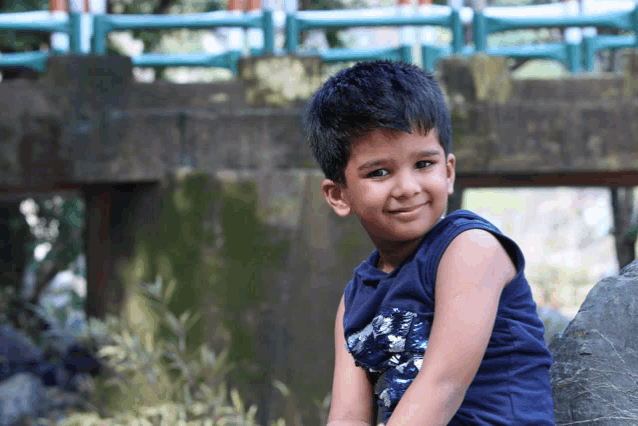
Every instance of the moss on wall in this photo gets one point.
(211, 243)
(492, 78)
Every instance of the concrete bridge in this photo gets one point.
(88, 127)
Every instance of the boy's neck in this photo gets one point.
(391, 254)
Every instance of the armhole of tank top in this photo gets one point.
(510, 247)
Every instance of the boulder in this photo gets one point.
(596, 359)
(553, 320)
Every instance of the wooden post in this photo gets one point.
(97, 248)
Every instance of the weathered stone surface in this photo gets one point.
(596, 360)
(479, 78)
(630, 73)
(565, 125)
(223, 97)
(602, 88)
(280, 81)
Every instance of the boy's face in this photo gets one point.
(396, 183)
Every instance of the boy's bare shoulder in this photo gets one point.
(478, 251)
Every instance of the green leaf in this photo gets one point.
(281, 387)
(170, 291)
(237, 402)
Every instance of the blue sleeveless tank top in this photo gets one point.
(387, 322)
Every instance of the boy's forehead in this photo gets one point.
(385, 136)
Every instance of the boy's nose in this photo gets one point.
(407, 185)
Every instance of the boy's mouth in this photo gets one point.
(407, 209)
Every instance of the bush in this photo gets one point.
(156, 383)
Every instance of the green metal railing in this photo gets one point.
(622, 21)
(37, 60)
(566, 52)
(307, 20)
(104, 24)
(575, 55)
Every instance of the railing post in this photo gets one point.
(457, 31)
(75, 32)
(269, 32)
(589, 51)
(405, 53)
(480, 32)
(573, 57)
(429, 55)
(232, 58)
(292, 33)
(99, 34)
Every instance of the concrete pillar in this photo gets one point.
(82, 88)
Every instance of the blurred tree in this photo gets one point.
(12, 41)
(58, 228)
(14, 256)
(332, 35)
(161, 7)
(20, 41)
(43, 235)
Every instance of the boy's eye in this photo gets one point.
(378, 173)
(423, 164)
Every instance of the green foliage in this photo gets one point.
(159, 382)
(332, 35)
(152, 38)
(12, 41)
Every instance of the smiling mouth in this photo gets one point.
(407, 209)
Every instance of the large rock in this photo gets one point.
(596, 360)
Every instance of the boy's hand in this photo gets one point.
(351, 403)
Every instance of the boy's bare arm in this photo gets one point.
(351, 403)
(471, 276)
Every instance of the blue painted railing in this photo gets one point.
(566, 52)
(42, 22)
(490, 21)
(308, 20)
(104, 24)
(620, 20)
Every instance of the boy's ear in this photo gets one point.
(334, 195)
(451, 173)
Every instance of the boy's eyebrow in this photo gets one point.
(372, 163)
(429, 153)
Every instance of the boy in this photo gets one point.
(438, 323)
